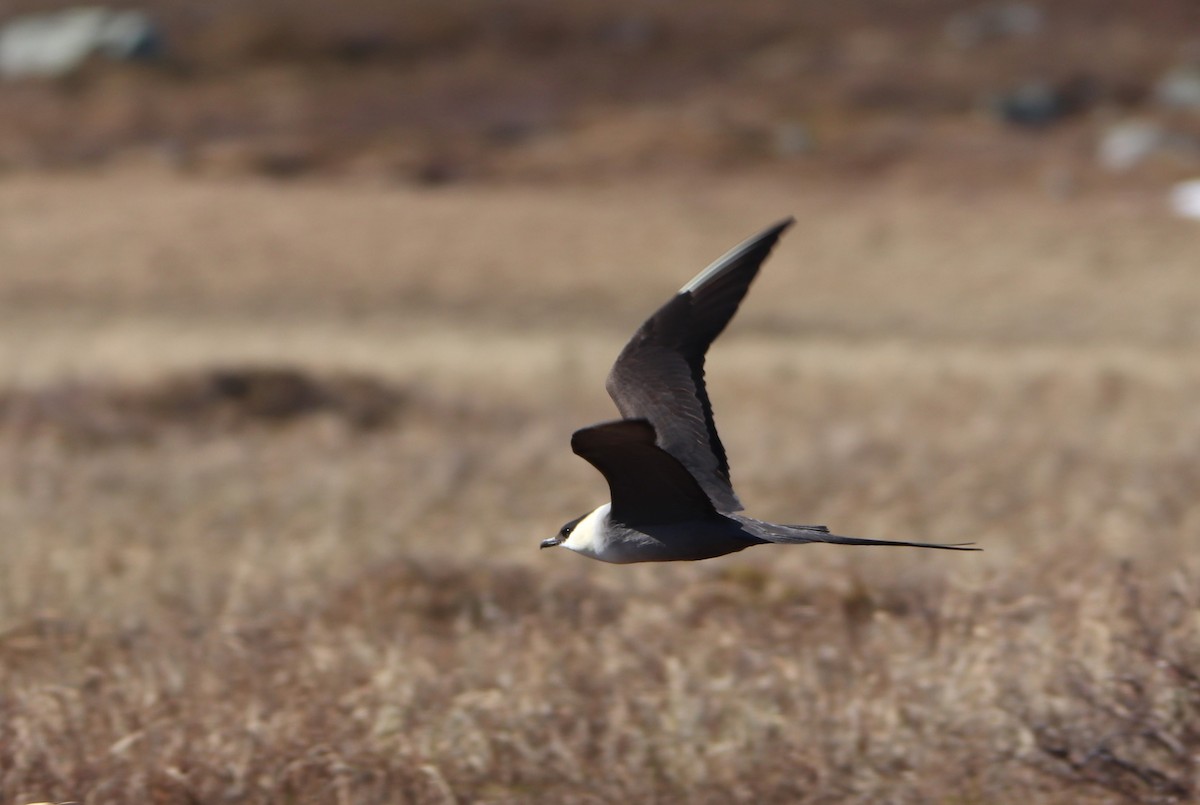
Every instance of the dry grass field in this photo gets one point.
(275, 461)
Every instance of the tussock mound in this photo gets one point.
(209, 400)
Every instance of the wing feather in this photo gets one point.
(647, 485)
(659, 375)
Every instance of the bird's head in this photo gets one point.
(564, 533)
(584, 534)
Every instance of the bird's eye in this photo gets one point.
(566, 530)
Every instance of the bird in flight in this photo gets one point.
(667, 474)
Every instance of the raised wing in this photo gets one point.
(647, 485)
(659, 376)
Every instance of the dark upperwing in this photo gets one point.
(647, 485)
(659, 375)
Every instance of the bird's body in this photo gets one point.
(672, 498)
(599, 536)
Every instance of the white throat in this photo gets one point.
(589, 537)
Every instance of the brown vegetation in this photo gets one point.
(233, 585)
(217, 399)
(437, 91)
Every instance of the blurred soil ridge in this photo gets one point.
(201, 402)
(435, 92)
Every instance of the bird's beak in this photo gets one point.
(550, 543)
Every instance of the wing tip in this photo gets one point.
(767, 236)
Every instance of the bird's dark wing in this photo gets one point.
(659, 376)
(648, 486)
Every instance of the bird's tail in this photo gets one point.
(785, 534)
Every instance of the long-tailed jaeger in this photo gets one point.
(667, 473)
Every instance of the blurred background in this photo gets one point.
(1070, 96)
(300, 303)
